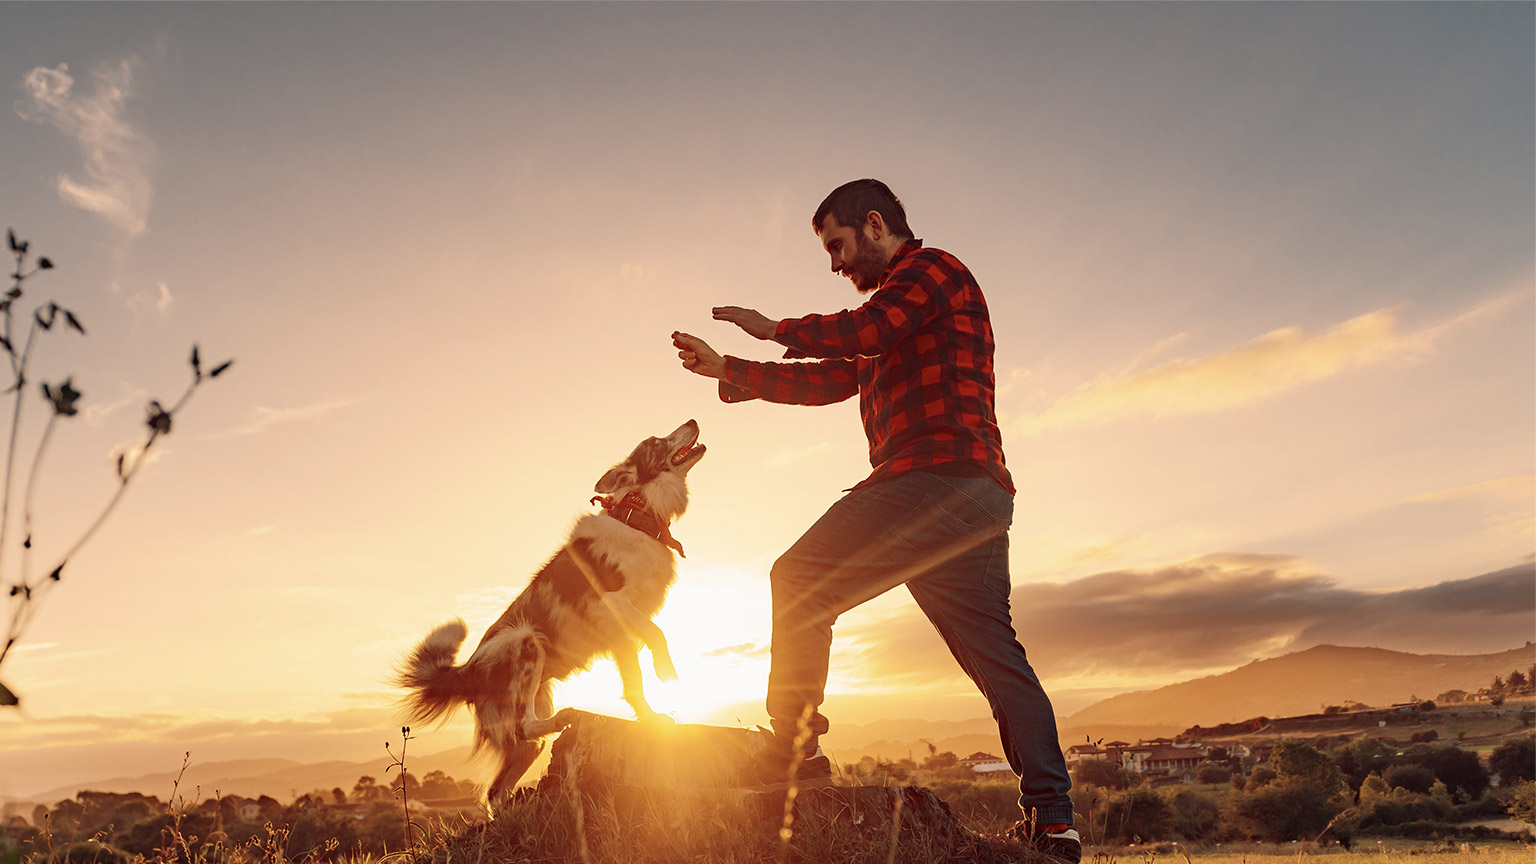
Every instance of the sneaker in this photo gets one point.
(770, 769)
(1058, 841)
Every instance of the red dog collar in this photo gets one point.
(633, 512)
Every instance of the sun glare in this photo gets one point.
(718, 642)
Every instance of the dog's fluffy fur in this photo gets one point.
(596, 596)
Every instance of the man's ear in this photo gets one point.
(874, 223)
(617, 477)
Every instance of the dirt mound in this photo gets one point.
(619, 791)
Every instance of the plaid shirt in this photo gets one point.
(918, 353)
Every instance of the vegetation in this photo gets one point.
(1304, 791)
(27, 592)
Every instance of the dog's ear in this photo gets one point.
(617, 477)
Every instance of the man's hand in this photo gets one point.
(750, 320)
(697, 356)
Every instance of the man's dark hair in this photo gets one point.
(851, 203)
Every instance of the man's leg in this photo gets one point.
(967, 601)
(836, 565)
(873, 539)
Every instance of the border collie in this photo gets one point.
(596, 596)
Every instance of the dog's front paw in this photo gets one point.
(653, 717)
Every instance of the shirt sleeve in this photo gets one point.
(814, 383)
(917, 290)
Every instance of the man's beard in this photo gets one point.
(868, 262)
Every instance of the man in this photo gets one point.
(934, 513)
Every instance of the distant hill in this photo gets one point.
(252, 778)
(1301, 683)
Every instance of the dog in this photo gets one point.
(596, 596)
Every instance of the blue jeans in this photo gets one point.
(946, 539)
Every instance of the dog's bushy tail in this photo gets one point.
(436, 687)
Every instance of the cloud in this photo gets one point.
(114, 183)
(265, 418)
(1214, 613)
(787, 456)
(140, 300)
(1275, 363)
(1521, 483)
(745, 649)
(95, 412)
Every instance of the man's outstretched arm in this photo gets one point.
(820, 383)
(754, 322)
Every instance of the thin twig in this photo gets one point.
(26, 508)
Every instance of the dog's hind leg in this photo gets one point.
(516, 756)
(562, 719)
(543, 701)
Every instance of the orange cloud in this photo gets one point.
(1214, 612)
(1277, 362)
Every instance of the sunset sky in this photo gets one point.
(1262, 276)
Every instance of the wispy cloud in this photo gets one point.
(114, 182)
(1218, 612)
(745, 649)
(265, 418)
(1522, 484)
(1277, 362)
(788, 456)
(96, 412)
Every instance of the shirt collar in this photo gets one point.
(908, 248)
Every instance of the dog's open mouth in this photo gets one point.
(689, 451)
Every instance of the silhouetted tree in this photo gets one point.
(1298, 762)
(1212, 772)
(1414, 778)
(1101, 772)
(1362, 757)
(1138, 813)
(1285, 810)
(1514, 761)
(935, 761)
(368, 789)
(1459, 769)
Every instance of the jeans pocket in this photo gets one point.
(942, 518)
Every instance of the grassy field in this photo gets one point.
(1489, 853)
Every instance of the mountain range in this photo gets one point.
(1304, 683)
(1299, 683)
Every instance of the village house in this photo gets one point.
(1164, 759)
(986, 763)
(1153, 759)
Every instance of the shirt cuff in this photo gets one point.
(733, 382)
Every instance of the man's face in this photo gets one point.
(854, 253)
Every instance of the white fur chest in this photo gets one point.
(647, 566)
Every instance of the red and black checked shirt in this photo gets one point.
(918, 353)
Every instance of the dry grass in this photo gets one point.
(715, 827)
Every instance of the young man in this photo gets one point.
(934, 513)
